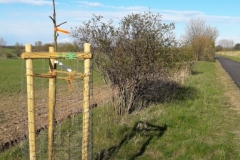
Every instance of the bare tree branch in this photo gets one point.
(52, 19)
(55, 35)
(54, 12)
(61, 24)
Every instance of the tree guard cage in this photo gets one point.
(55, 75)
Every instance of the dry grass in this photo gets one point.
(232, 93)
(231, 90)
(230, 53)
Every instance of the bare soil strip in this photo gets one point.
(13, 117)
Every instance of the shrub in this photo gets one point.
(6, 55)
(133, 57)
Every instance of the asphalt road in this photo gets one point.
(232, 67)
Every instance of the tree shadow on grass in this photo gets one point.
(196, 72)
(149, 131)
(169, 91)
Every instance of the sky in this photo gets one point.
(27, 21)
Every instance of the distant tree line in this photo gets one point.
(62, 47)
(227, 45)
(14, 51)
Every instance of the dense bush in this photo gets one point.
(203, 48)
(6, 55)
(134, 57)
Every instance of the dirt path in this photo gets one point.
(13, 112)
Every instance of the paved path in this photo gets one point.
(232, 67)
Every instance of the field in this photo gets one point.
(199, 122)
(232, 54)
(9, 50)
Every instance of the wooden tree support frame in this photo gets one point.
(28, 55)
(56, 55)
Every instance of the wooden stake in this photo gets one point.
(31, 108)
(51, 105)
(86, 108)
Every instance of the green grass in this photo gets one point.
(196, 124)
(9, 50)
(13, 78)
(12, 74)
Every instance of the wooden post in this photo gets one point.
(31, 108)
(51, 105)
(86, 106)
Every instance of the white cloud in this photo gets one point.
(180, 16)
(97, 4)
(65, 40)
(237, 39)
(224, 19)
(131, 8)
(33, 2)
(91, 4)
(184, 16)
(167, 15)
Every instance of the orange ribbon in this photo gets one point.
(61, 30)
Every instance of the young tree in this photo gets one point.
(38, 46)
(54, 20)
(218, 48)
(45, 47)
(132, 57)
(3, 43)
(18, 49)
(200, 36)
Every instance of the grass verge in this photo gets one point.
(196, 124)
